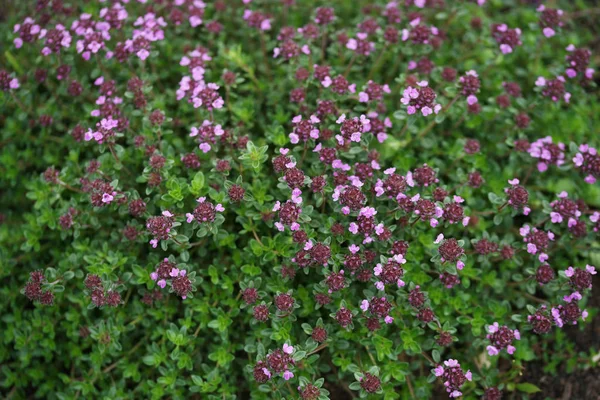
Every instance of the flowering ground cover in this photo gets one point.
(299, 199)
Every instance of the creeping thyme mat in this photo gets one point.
(281, 199)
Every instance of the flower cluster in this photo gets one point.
(453, 376)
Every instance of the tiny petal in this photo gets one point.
(492, 351)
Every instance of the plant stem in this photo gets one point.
(350, 65)
(263, 46)
(377, 62)
(410, 387)
(428, 358)
(432, 123)
(321, 347)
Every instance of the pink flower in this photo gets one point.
(107, 198)
(205, 147)
(493, 328)
(287, 349)
(591, 269)
(451, 363)
(573, 296)
(492, 351)
(589, 73)
(557, 319)
(364, 305)
(548, 32)
(555, 217)
(541, 81)
(472, 99)
(367, 212)
(377, 270)
(143, 54)
(287, 375)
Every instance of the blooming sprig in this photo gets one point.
(28, 31)
(554, 88)
(207, 134)
(587, 160)
(453, 376)
(501, 337)
(550, 20)
(7, 82)
(351, 129)
(507, 38)
(420, 99)
(304, 129)
(390, 273)
(205, 212)
(547, 152)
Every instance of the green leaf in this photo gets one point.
(251, 270)
(197, 184)
(383, 346)
(436, 355)
(528, 388)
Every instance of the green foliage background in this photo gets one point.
(203, 347)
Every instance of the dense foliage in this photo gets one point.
(293, 199)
